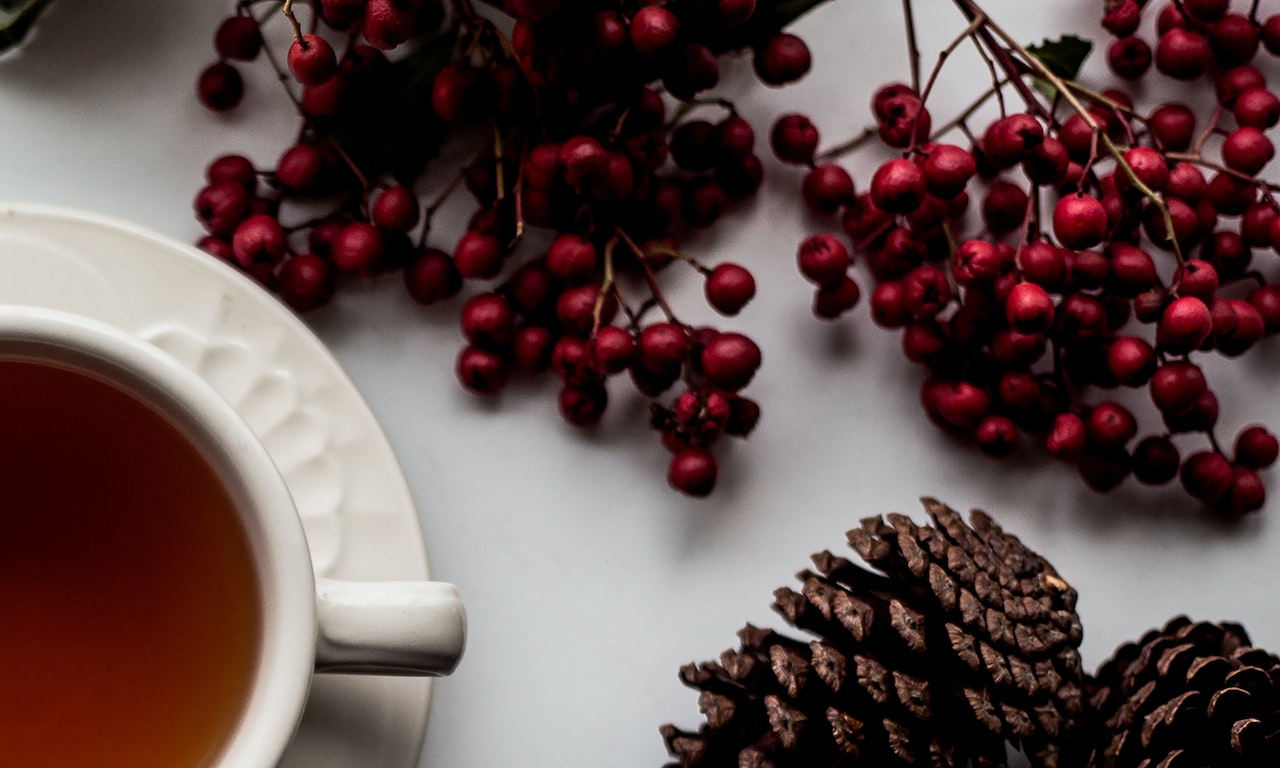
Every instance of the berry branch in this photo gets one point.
(1046, 332)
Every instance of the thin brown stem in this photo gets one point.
(287, 10)
(867, 134)
(1196, 159)
(649, 278)
(607, 285)
(959, 119)
(913, 47)
(945, 52)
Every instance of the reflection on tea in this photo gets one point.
(129, 611)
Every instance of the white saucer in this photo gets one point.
(355, 505)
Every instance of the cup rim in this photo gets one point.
(285, 574)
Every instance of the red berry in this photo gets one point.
(730, 360)
(572, 258)
(300, 168)
(431, 276)
(1206, 475)
(614, 348)
(1066, 439)
(827, 188)
(220, 87)
(898, 186)
(387, 23)
(583, 406)
(1246, 494)
(947, 170)
(481, 371)
(823, 259)
(653, 31)
(581, 159)
(1029, 308)
(1155, 460)
(692, 471)
(1176, 385)
(238, 37)
(306, 282)
(1184, 325)
(1234, 39)
(1010, 140)
(312, 60)
(662, 347)
(1173, 126)
(1257, 108)
(832, 301)
(1183, 54)
(781, 58)
(1256, 448)
(729, 287)
(259, 239)
(794, 139)
(1247, 150)
(1129, 57)
(478, 256)
(1132, 360)
(396, 208)
(1079, 221)
(488, 321)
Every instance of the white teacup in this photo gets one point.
(307, 624)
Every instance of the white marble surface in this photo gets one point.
(587, 581)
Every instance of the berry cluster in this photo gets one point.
(568, 114)
(1114, 247)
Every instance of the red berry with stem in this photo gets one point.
(729, 287)
(692, 471)
(1234, 39)
(1196, 278)
(1256, 447)
(1010, 140)
(576, 308)
(572, 258)
(312, 60)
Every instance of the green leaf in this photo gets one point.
(1063, 56)
(17, 17)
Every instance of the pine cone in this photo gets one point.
(963, 641)
(1191, 695)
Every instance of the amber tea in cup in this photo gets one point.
(130, 615)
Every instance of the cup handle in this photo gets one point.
(414, 628)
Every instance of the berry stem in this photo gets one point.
(974, 25)
(607, 285)
(959, 120)
(286, 8)
(913, 46)
(649, 278)
(1196, 158)
(849, 145)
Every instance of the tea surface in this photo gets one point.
(129, 613)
